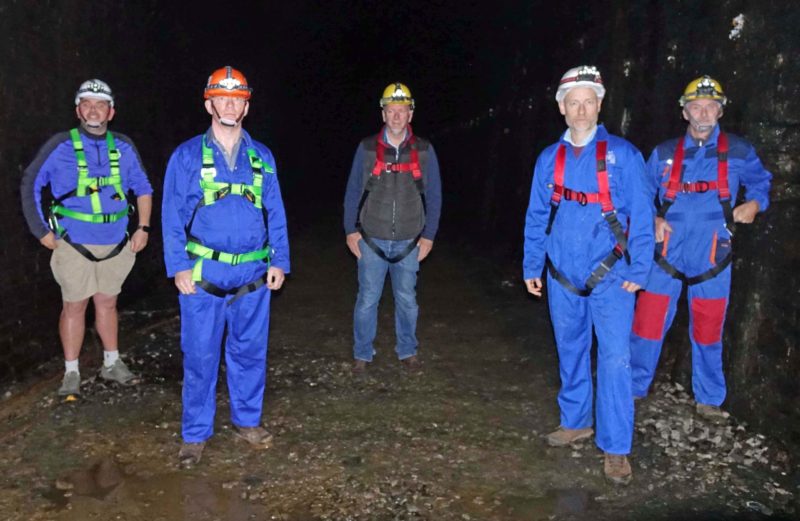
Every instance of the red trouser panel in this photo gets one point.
(651, 312)
(707, 317)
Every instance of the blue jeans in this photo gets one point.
(371, 276)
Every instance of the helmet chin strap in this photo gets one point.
(91, 124)
(227, 121)
(700, 129)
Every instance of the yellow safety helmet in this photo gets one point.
(704, 87)
(397, 93)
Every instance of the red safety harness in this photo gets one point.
(675, 185)
(609, 213)
(381, 166)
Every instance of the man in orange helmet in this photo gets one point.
(226, 244)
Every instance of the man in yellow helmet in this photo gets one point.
(391, 214)
(697, 178)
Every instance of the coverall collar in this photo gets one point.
(230, 160)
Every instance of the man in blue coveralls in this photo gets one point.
(697, 177)
(391, 214)
(589, 222)
(226, 244)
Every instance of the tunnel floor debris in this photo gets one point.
(460, 440)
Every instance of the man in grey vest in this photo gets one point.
(391, 214)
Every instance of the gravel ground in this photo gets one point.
(460, 440)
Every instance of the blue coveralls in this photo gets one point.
(234, 225)
(699, 240)
(579, 240)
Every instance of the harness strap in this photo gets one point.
(237, 293)
(197, 250)
(89, 255)
(380, 167)
(609, 213)
(691, 281)
(675, 184)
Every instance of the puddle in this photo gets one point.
(558, 504)
(103, 491)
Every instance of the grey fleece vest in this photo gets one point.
(393, 208)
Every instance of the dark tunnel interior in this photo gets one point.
(483, 75)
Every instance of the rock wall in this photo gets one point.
(647, 53)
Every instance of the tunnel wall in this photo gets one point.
(46, 50)
(647, 53)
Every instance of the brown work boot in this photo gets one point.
(412, 364)
(712, 413)
(359, 367)
(563, 437)
(190, 454)
(617, 469)
(257, 437)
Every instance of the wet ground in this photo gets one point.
(461, 440)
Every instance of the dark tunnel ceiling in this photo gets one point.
(342, 54)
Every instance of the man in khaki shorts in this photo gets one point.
(90, 171)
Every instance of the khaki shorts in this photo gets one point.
(81, 278)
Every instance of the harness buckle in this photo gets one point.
(235, 259)
(388, 167)
(701, 187)
(618, 253)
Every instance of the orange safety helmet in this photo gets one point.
(227, 81)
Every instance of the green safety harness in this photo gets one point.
(90, 187)
(213, 191)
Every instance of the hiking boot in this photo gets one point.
(711, 412)
(71, 384)
(412, 364)
(190, 454)
(617, 469)
(563, 437)
(359, 367)
(258, 437)
(119, 373)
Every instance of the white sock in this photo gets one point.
(109, 357)
(71, 365)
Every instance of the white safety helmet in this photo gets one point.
(94, 88)
(583, 76)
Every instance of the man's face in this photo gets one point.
(580, 108)
(397, 117)
(229, 109)
(702, 115)
(95, 114)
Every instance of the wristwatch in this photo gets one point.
(145, 228)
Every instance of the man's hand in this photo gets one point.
(275, 278)
(139, 240)
(662, 228)
(184, 282)
(745, 213)
(534, 286)
(425, 247)
(631, 287)
(352, 244)
(49, 241)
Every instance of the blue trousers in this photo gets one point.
(609, 310)
(204, 318)
(372, 271)
(655, 311)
